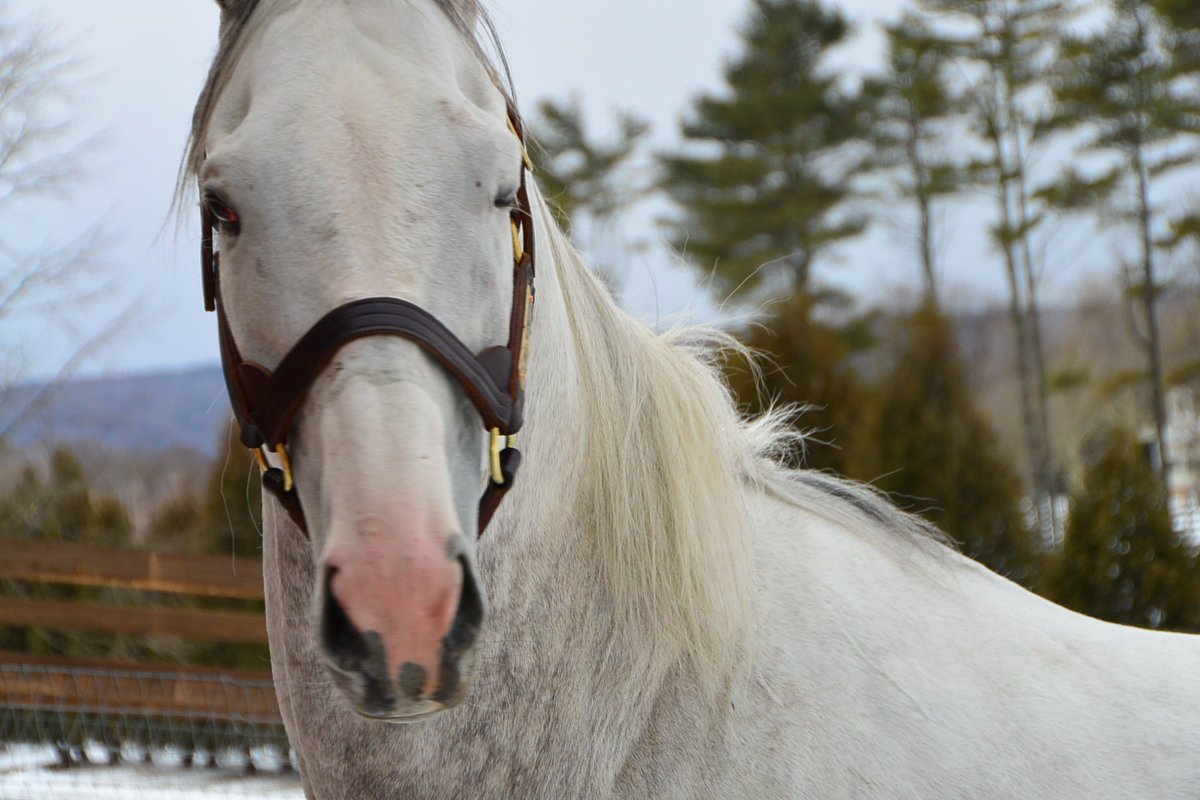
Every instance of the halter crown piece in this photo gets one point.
(265, 402)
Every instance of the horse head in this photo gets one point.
(359, 150)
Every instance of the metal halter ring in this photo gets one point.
(497, 443)
(285, 463)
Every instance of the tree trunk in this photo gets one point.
(1040, 395)
(925, 204)
(1149, 296)
(921, 190)
(1019, 318)
(801, 268)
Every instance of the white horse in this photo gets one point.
(669, 613)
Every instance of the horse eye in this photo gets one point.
(507, 199)
(221, 211)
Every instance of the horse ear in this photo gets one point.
(232, 11)
(230, 8)
(466, 10)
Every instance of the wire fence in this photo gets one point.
(77, 732)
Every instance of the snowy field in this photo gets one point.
(32, 773)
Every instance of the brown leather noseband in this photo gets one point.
(266, 402)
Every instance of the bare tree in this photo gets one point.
(1009, 47)
(41, 161)
(1134, 87)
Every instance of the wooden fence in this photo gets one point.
(61, 699)
(85, 565)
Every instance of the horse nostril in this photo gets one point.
(468, 619)
(354, 652)
(341, 638)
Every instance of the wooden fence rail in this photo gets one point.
(62, 699)
(86, 565)
(132, 689)
(213, 626)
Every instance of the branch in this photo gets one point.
(28, 408)
(31, 276)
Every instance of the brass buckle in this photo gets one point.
(524, 151)
(285, 464)
(494, 447)
(518, 250)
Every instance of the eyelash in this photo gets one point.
(222, 212)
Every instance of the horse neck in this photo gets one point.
(624, 535)
(533, 533)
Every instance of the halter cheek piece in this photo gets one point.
(265, 402)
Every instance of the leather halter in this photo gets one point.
(265, 402)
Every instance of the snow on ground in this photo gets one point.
(29, 773)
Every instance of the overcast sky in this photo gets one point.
(144, 61)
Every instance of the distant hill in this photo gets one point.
(144, 413)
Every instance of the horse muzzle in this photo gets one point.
(399, 615)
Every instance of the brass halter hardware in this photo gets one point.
(517, 251)
(285, 464)
(496, 443)
(512, 128)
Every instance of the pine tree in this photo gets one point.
(1132, 89)
(805, 363)
(577, 173)
(928, 443)
(1121, 560)
(913, 110)
(225, 519)
(1009, 46)
(763, 191)
(1182, 15)
(60, 506)
(587, 182)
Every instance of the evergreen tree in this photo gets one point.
(1182, 15)
(806, 364)
(588, 183)
(225, 519)
(1121, 560)
(1185, 235)
(60, 507)
(577, 173)
(763, 191)
(927, 442)
(1132, 89)
(913, 111)
(1009, 46)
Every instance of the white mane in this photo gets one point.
(664, 478)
